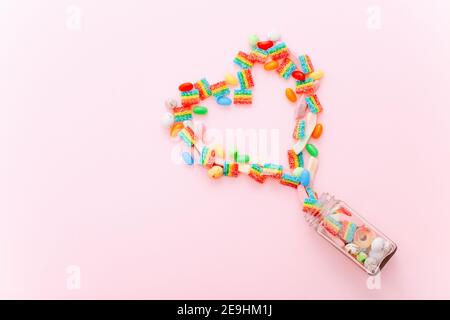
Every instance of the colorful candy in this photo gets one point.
(273, 170)
(181, 114)
(305, 64)
(245, 79)
(295, 160)
(242, 96)
(305, 87)
(188, 98)
(242, 158)
(348, 231)
(299, 131)
(230, 79)
(316, 75)
(230, 169)
(317, 132)
(271, 65)
(201, 110)
(215, 172)
(264, 45)
(258, 55)
(224, 101)
(187, 158)
(187, 86)
(256, 172)
(286, 68)
(220, 89)
(363, 237)
(278, 51)
(305, 178)
(289, 180)
(243, 60)
(290, 94)
(332, 225)
(313, 103)
(312, 150)
(187, 135)
(203, 88)
(311, 206)
(253, 40)
(176, 127)
(207, 156)
(298, 75)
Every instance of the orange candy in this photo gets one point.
(317, 132)
(271, 65)
(176, 128)
(290, 94)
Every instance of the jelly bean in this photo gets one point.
(316, 75)
(188, 159)
(290, 94)
(253, 40)
(271, 65)
(175, 129)
(219, 152)
(312, 150)
(234, 154)
(297, 172)
(243, 158)
(361, 257)
(170, 104)
(187, 86)
(231, 79)
(223, 101)
(304, 178)
(298, 75)
(317, 132)
(167, 119)
(215, 172)
(264, 45)
(200, 110)
(273, 36)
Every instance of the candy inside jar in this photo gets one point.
(360, 241)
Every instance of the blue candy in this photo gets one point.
(187, 157)
(224, 101)
(304, 178)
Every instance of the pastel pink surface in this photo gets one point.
(86, 176)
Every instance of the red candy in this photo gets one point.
(298, 75)
(264, 45)
(187, 86)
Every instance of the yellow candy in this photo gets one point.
(215, 172)
(271, 65)
(231, 79)
(316, 75)
(220, 153)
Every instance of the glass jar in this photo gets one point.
(350, 233)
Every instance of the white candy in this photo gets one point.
(171, 103)
(388, 247)
(377, 244)
(297, 171)
(377, 255)
(371, 264)
(352, 248)
(167, 119)
(274, 36)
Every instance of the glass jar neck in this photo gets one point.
(326, 203)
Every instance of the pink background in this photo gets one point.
(86, 176)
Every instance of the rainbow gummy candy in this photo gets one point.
(203, 88)
(181, 114)
(220, 89)
(243, 60)
(286, 68)
(313, 103)
(188, 98)
(187, 135)
(207, 156)
(305, 87)
(256, 172)
(332, 225)
(230, 169)
(348, 231)
(278, 51)
(311, 193)
(290, 180)
(305, 64)
(311, 205)
(295, 160)
(245, 79)
(242, 96)
(299, 131)
(258, 55)
(273, 170)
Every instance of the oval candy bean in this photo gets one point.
(271, 65)
(215, 172)
(316, 75)
(200, 110)
(187, 86)
(243, 158)
(231, 79)
(291, 95)
(312, 150)
(304, 178)
(176, 128)
(264, 45)
(187, 158)
(223, 101)
(253, 40)
(298, 75)
(317, 132)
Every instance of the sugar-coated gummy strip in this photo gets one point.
(256, 172)
(286, 68)
(290, 180)
(278, 51)
(258, 55)
(181, 114)
(273, 170)
(242, 96)
(311, 120)
(348, 231)
(230, 169)
(189, 98)
(187, 135)
(220, 89)
(245, 78)
(311, 193)
(332, 225)
(203, 88)
(313, 103)
(305, 87)
(295, 160)
(305, 64)
(243, 60)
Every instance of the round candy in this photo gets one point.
(231, 79)
(271, 65)
(243, 158)
(297, 74)
(312, 150)
(264, 45)
(304, 178)
(176, 128)
(363, 237)
(273, 36)
(377, 244)
(187, 86)
(188, 159)
(167, 119)
(297, 172)
(215, 172)
(317, 132)
(200, 110)
(171, 103)
(223, 101)
(290, 94)
(253, 40)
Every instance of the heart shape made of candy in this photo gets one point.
(274, 56)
